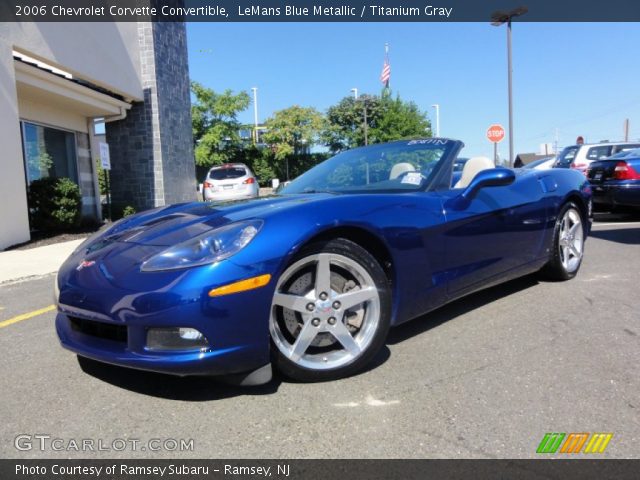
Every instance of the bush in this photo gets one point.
(54, 204)
(128, 210)
(118, 210)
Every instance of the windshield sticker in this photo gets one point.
(428, 141)
(412, 178)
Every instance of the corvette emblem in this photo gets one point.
(85, 264)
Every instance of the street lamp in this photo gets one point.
(355, 93)
(255, 114)
(437, 107)
(497, 19)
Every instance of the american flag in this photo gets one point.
(385, 76)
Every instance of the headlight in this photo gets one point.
(207, 248)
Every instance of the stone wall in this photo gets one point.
(152, 148)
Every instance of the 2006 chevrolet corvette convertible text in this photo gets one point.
(311, 279)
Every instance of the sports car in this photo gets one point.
(310, 280)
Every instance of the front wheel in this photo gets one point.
(330, 312)
(568, 244)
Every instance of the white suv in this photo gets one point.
(230, 181)
(579, 157)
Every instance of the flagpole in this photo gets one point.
(386, 56)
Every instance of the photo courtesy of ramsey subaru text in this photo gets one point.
(310, 280)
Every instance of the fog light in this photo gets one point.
(178, 338)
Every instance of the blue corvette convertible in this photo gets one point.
(309, 281)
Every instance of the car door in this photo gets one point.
(500, 230)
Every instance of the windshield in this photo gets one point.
(627, 153)
(567, 155)
(392, 167)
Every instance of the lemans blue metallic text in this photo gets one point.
(310, 280)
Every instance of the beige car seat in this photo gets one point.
(400, 168)
(471, 169)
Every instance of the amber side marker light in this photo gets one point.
(241, 286)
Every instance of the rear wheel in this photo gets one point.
(330, 312)
(568, 244)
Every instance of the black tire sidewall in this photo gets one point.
(355, 252)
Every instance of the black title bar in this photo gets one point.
(122, 469)
(317, 10)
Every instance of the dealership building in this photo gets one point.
(59, 81)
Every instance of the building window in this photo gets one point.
(48, 152)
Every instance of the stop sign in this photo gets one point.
(495, 133)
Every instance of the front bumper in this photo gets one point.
(119, 316)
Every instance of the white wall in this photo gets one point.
(14, 220)
(106, 54)
(40, 112)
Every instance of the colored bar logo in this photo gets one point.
(573, 442)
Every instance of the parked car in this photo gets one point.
(230, 181)
(616, 181)
(541, 163)
(310, 280)
(579, 157)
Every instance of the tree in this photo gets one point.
(387, 119)
(398, 120)
(215, 124)
(290, 134)
(345, 122)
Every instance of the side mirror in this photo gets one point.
(199, 188)
(495, 177)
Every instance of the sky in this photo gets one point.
(569, 79)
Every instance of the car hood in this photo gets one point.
(171, 225)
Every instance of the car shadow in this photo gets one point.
(459, 307)
(171, 387)
(629, 236)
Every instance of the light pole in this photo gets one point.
(497, 19)
(255, 114)
(437, 107)
(365, 124)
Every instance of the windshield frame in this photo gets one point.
(438, 179)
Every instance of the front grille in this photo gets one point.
(117, 333)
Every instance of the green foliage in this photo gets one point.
(215, 124)
(290, 134)
(261, 162)
(293, 131)
(345, 122)
(45, 161)
(128, 210)
(398, 120)
(102, 177)
(387, 119)
(54, 203)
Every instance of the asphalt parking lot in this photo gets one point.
(485, 377)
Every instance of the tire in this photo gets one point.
(330, 313)
(568, 244)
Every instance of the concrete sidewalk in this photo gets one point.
(19, 264)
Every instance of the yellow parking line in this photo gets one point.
(26, 316)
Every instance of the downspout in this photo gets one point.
(120, 116)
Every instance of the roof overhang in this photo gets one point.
(41, 85)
